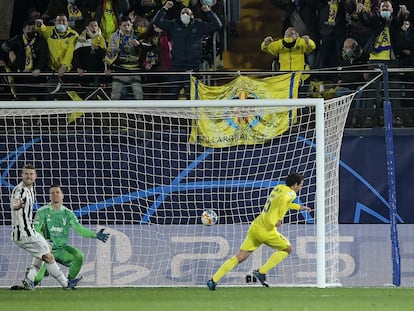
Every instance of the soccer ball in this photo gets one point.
(209, 217)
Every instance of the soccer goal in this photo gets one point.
(145, 172)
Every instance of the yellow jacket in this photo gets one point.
(61, 46)
(293, 58)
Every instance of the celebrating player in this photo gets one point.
(263, 230)
(53, 221)
(24, 235)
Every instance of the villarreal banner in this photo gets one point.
(221, 129)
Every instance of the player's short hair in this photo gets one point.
(29, 167)
(55, 186)
(294, 178)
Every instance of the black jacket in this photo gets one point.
(40, 53)
(377, 25)
(187, 40)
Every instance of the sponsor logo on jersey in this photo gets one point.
(56, 229)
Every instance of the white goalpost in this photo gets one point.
(132, 168)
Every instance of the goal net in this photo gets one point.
(139, 170)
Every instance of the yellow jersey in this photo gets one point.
(277, 205)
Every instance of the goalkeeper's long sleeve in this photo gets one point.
(83, 232)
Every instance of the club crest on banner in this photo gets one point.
(230, 126)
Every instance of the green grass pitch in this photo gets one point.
(224, 298)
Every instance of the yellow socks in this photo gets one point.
(227, 266)
(232, 262)
(273, 261)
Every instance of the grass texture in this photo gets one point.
(224, 298)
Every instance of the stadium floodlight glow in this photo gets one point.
(131, 167)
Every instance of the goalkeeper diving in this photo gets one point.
(54, 221)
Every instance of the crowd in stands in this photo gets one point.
(120, 37)
(350, 35)
(115, 37)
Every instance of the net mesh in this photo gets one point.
(135, 173)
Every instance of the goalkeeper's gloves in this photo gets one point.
(102, 236)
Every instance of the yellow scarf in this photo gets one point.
(333, 10)
(109, 22)
(28, 46)
(382, 49)
(74, 13)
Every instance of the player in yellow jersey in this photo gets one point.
(263, 230)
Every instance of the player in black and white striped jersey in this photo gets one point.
(24, 235)
(23, 199)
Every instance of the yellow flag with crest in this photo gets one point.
(248, 125)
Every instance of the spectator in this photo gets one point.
(382, 44)
(148, 36)
(145, 8)
(20, 9)
(356, 29)
(76, 11)
(27, 52)
(404, 45)
(141, 26)
(409, 4)
(384, 29)
(348, 81)
(187, 35)
(404, 52)
(352, 58)
(213, 58)
(34, 14)
(290, 51)
(332, 32)
(61, 40)
(301, 15)
(124, 55)
(156, 58)
(109, 14)
(90, 50)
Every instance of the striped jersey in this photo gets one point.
(22, 219)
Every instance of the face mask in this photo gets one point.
(288, 42)
(348, 52)
(208, 2)
(185, 19)
(385, 14)
(61, 28)
(31, 35)
(141, 29)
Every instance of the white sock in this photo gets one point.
(34, 268)
(55, 271)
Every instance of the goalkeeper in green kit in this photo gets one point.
(54, 221)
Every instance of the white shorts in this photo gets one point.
(35, 245)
